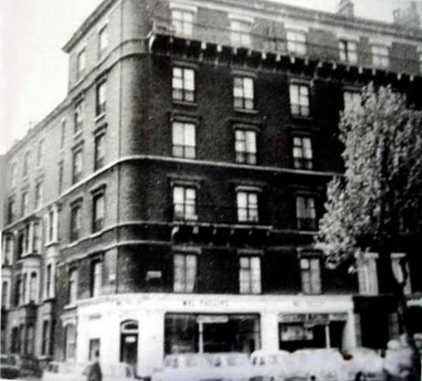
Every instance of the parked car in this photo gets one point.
(8, 367)
(269, 365)
(26, 366)
(66, 371)
(184, 367)
(323, 364)
(365, 361)
(231, 366)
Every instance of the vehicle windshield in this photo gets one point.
(8, 360)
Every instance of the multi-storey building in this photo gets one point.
(169, 203)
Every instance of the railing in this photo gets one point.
(278, 45)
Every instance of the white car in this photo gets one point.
(231, 366)
(366, 361)
(323, 364)
(270, 365)
(67, 371)
(184, 367)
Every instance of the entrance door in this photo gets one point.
(129, 343)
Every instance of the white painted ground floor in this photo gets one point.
(142, 328)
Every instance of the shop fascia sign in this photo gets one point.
(212, 319)
(311, 319)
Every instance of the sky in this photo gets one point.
(34, 69)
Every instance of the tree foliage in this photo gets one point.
(380, 195)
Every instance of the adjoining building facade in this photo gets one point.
(169, 203)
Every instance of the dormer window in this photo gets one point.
(182, 21)
(380, 56)
(348, 51)
(241, 32)
(296, 42)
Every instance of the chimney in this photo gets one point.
(346, 8)
(407, 17)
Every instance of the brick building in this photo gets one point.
(169, 203)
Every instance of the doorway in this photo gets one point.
(129, 342)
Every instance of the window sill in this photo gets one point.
(77, 134)
(68, 307)
(246, 111)
(184, 103)
(100, 118)
(51, 243)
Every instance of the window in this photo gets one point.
(420, 62)
(13, 175)
(30, 337)
(75, 222)
(96, 277)
(61, 174)
(19, 291)
(184, 140)
(25, 295)
(183, 84)
(49, 281)
(78, 116)
(94, 349)
(26, 164)
(299, 100)
(296, 42)
(81, 64)
(8, 251)
(241, 33)
(245, 146)
(38, 195)
(70, 342)
(21, 243)
(25, 203)
(98, 212)
(27, 235)
(36, 237)
(50, 227)
(243, 92)
(348, 51)
(182, 22)
(101, 101)
(250, 275)
(368, 274)
(184, 203)
(399, 261)
(184, 272)
(102, 42)
(63, 133)
(99, 151)
(351, 99)
(45, 343)
(247, 206)
(77, 166)
(11, 212)
(380, 56)
(5, 294)
(72, 295)
(311, 275)
(33, 289)
(306, 213)
(40, 153)
(302, 152)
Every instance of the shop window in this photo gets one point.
(241, 31)
(311, 275)
(185, 267)
(182, 22)
(70, 342)
(296, 42)
(299, 100)
(96, 278)
(306, 213)
(184, 203)
(247, 206)
(380, 56)
(351, 99)
(348, 51)
(302, 152)
(243, 92)
(184, 140)
(245, 146)
(250, 275)
(183, 84)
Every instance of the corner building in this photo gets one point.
(169, 203)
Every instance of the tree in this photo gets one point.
(379, 198)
